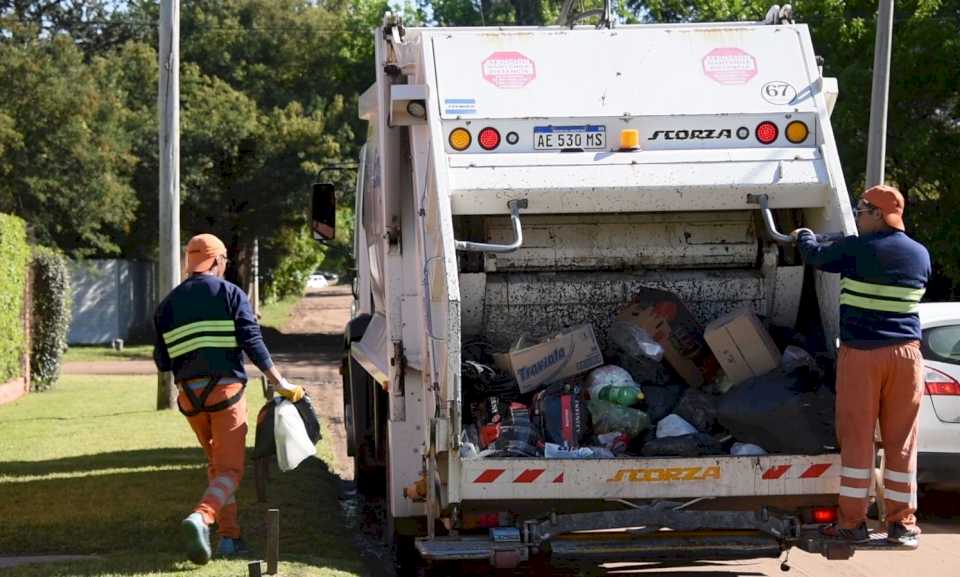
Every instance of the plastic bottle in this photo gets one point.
(608, 418)
(621, 395)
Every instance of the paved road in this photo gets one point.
(309, 349)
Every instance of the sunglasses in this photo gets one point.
(862, 209)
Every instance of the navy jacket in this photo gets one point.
(203, 328)
(883, 278)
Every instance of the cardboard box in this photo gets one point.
(665, 318)
(569, 353)
(742, 346)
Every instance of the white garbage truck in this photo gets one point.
(518, 181)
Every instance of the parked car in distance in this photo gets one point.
(938, 459)
(320, 279)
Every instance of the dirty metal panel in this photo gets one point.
(652, 478)
(472, 288)
(619, 241)
(537, 304)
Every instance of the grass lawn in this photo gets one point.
(91, 468)
(87, 353)
(276, 314)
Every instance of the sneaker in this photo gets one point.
(858, 534)
(196, 538)
(230, 547)
(900, 534)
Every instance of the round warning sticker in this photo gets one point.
(729, 65)
(508, 70)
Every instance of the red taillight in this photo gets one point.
(940, 384)
(489, 138)
(824, 515)
(767, 132)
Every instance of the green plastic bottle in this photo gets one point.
(621, 395)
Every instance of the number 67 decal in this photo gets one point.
(778, 92)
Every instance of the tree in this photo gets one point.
(66, 156)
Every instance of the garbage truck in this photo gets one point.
(520, 181)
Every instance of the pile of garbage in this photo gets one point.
(663, 386)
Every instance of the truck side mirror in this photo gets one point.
(323, 210)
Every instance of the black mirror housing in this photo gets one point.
(323, 211)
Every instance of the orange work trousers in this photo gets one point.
(223, 437)
(884, 384)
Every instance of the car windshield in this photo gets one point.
(942, 344)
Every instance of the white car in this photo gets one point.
(317, 280)
(938, 460)
(322, 279)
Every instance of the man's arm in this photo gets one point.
(161, 357)
(249, 336)
(827, 256)
(251, 340)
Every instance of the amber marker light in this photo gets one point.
(629, 139)
(460, 139)
(797, 132)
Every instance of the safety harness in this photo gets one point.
(200, 403)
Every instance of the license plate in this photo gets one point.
(566, 137)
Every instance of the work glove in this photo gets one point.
(796, 234)
(292, 393)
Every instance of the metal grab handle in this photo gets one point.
(515, 206)
(771, 227)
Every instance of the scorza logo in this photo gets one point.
(700, 134)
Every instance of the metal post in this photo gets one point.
(255, 273)
(169, 106)
(877, 145)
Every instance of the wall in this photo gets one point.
(112, 299)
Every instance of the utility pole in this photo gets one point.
(877, 145)
(169, 106)
(255, 273)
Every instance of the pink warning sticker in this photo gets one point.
(508, 70)
(729, 65)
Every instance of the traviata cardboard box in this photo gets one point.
(569, 353)
(742, 346)
(665, 318)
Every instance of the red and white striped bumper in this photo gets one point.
(650, 478)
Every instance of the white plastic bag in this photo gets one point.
(674, 426)
(293, 442)
(608, 376)
(746, 449)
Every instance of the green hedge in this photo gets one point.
(14, 259)
(52, 300)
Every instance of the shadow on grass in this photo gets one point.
(188, 458)
(132, 518)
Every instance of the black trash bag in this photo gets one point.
(265, 444)
(481, 377)
(561, 414)
(660, 400)
(781, 412)
(692, 445)
(699, 409)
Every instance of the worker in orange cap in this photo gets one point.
(203, 327)
(880, 369)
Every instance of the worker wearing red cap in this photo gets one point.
(879, 369)
(203, 328)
